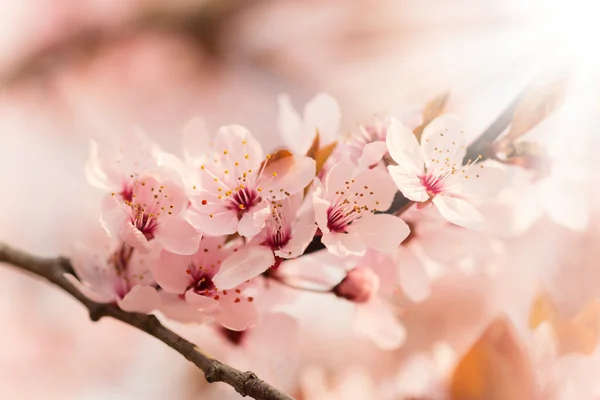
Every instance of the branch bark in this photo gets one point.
(53, 270)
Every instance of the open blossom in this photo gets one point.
(237, 184)
(371, 285)
(111, 271)
(192, 278)
(286, 235)
(345, 206)
(151, 216)
(321, 115)
(367, 145)
(115, 169)
(434, 170)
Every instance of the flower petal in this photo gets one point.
(254, 219)
(196, 141)
(409, 185)
(170, 272)
(289, 175)
(458, 211)
(344, 244)
(404, 148)
(178, 236)
(443, 140)
(290, 126)
(412, 277)
(321, 206)
(372, 153)
(223, 223)
(176, 308)
(88, 291)
(382, 232)
(142, 299)
(322, 113)
(237, 316)
(482, 181)
(201, 303)
(245, 264)
(303, 232)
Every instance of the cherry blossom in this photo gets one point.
(433, 170)
(192, 278)
(371, 285)
(235, 188)
(345, 206)
(115, 169)
(321, 115)
(286, 235)
(109, 271)
(152, 215)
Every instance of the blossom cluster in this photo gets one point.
(202, 237)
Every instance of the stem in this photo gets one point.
(54, 270)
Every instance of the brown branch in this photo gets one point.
(53, 270)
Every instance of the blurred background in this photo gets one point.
(72, 71)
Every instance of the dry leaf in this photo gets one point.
(578, 334)
(314, 147)
(432, 110)
(495, 368)
(323, 154)
(276, 157)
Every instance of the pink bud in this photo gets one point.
(359, 285)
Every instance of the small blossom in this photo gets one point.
(235, 188)
(433, 170)
(192, 278)
(111, 271)
(359, 285)
(345, 204)
(151, 216)
(321, 115)
(286, 235)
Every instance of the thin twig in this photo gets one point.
(54, 269)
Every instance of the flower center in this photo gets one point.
(433, 184)
(278, 228)
(243, 199)
(347, 207)
(204, 286)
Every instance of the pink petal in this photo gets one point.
(254, 219)
(170, 272)
(112, 216)
(338, 175)
(483, 181)
(290, 126)
(412, 277)
(142, 299)
(237, 316)
(322, 113)
(409, 185)
(224, 223)
(133, 237)
(178, 236)
(372, 153)
(196, 141)
(378, 182)
(404, 148)
(458, 211)
(294, 174)
(245, 264)
(378, 321)
(302, 234)
(321, 206)
(176, 308)
(382, 232)
(444, 139)
(89, 292)
(98, 173)
(201, 303)
(344, 244)
(232, 144)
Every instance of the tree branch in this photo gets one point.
(53, 270)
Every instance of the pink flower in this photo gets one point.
(371, 286)
(321, 115)
(433, 170)
(286, 235)
(150, 216)
(114, 169)
(235, 188)
(345, 205)
(192, 277)
(367, 146)
(111, 271)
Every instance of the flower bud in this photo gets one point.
(359, 285)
